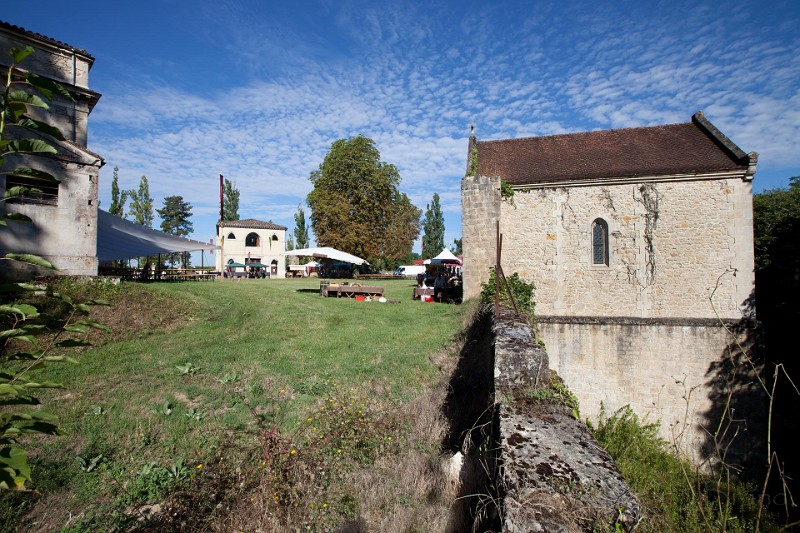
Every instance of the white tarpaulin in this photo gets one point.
(327, 253)
(118, 238)
(446, 256)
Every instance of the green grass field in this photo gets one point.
(165, 409)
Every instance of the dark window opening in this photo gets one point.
(252, 240)
(600, 242)
(274, 237)
(40, 192)
(231, 236)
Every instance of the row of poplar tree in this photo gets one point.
(175, 213)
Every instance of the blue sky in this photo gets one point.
(258, 91)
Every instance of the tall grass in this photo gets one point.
(674, 496)
(263, 378)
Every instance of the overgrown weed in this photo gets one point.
(673, 494)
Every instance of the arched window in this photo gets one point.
(274, 237)
(599, 242)
(231, 236)
(252, 239)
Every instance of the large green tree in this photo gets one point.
(356, 206)
(175, 217)
(776, 229)
(776, 224)
(141, 208)
(433, 228)
(230, 201)
(118, 197)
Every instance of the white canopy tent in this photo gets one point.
(118, 238)
(446, 256)
(327, 253)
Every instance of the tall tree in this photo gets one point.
(141, 208)
(776, 224)
(433, 226)
(175, 217)
(356, 206)
(118, 197)
(230, 201)
(776, 232)
(301, 239)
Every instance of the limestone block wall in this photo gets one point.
(480, 211)
(668, 371)
(67, 66)
(672, 245)
(65, 234)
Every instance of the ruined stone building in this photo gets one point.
(640, 244)
(64, 227)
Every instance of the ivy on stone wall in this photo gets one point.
(649, 199)
(472, 168)
(507, 191)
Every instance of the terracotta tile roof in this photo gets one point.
(251, 223)
(689, 148)
(20, 29)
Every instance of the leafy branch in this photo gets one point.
(21, 324)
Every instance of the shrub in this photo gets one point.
(674, 496)
(522, 291)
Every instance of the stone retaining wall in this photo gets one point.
(555, 474)
(671, 371)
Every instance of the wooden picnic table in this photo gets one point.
(348, 290)
(177, 275)
(377, 276)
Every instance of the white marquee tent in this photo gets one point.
(446, 256)
(118, 238)
(327, 253)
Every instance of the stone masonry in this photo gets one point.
(480, 208)
(701, 246)
(555, 474)
(648, 328)
(64, 231)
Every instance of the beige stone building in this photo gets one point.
(252, 242)
(640, 244)
(64, 228)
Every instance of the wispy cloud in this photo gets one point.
(413, 78)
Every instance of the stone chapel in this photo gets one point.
(640, 244)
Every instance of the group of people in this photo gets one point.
(252, 272)
(445, 280)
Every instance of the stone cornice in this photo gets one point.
(628, 180)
